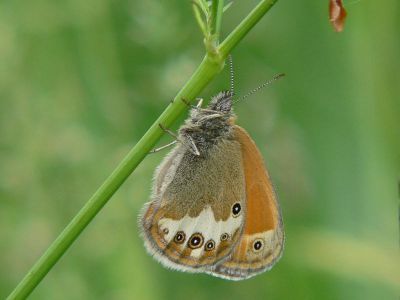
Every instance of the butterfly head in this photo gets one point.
(222, 102)
(218, 111)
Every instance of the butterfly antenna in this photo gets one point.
(231, 73)
(276, 77)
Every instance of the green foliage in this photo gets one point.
(212, 63)
(80, 83)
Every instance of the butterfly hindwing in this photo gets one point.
(262, 239)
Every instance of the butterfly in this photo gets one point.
(213, 208)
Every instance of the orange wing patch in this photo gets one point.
(262, 240)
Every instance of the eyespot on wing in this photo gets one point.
(197, 198)
(262, 240)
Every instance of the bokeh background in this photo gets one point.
(81, 81)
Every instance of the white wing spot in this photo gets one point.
(205, 224)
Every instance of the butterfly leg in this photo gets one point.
(163, 147)
(189, 142)
(171, 133)
(198, 105)
(199, 102)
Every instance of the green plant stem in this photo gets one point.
(245, 26)
(210, 66)
(216, 16)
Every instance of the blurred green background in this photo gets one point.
(81, 81)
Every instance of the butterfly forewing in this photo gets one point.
(197, 211)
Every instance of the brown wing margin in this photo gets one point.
(261, 243)
(262, 214)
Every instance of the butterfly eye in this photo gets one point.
(179, 237)
(195, 241)
(224, 237)
(236, 208)
(258, 245)
(210, 245)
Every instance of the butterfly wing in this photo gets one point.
(197, 210)
(261, 242)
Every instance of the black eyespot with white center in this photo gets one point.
(236, 209)
(165, 231)
(210, 245)
(258, 245)
(224, 237)
(195, 241)
(179, 237)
